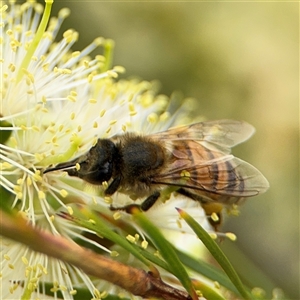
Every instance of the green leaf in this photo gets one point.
(5, 200)
(91, 220)
(167, 251)
(207, 270)
(217, 253)
(4, 134)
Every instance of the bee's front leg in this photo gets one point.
(146, 204)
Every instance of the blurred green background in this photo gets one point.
(240, 60)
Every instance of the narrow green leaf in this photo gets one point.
(216, 252)
(167, 252)
(4, 132)
(207, 270)
(5, 200)
(93, 221)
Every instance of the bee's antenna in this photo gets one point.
(63, 166)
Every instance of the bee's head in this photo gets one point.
(95, 166)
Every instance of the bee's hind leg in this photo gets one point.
(146, 204)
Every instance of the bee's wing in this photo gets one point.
(215, 135)
(200, 161)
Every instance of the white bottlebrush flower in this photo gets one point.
(55, 104)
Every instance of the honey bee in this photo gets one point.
(195, 159)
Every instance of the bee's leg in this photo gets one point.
(146, 204)
(150, 201)
(112, 188)
(213, 210)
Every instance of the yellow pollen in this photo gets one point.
(20, 181)
(231, 236)
(105, 184)
(72, 116)
(93, 101)
(178, 223)
(102, 113)
(213, 235)
(131, 107)
(77, 166)
(185, 174)
(199, 293)
(119, 69)
(152, 118)
(34, 280)
(97, 294)
(15, 286)
(41, 195)
(12, 67)
(117, 215)
(3, 8)
(60, 127)
(144, 244)
(103, 295)
(75, 53)
(92, 221)
(214, 217)
(113, 122)
(63, 288)
(71, 98)
(24, 260)
(68, 35)
(5, 165)
(86, 63)
(95, 125)
(165, 116)
(11, 266)
(79, 128)
(112, 73)
(73, 93)
(90, 78)
(99, 41)
(63, 193)
(114, 254)
(6, 257)
(70, 210)
(73, 292)
(17, 188)
(46, 67)
(28, 181)
(124, 128)
(108, 130)
(36, 128)
(108, 200)
(27, 272)
(132, 113)
(64, 13)
(130, 238)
